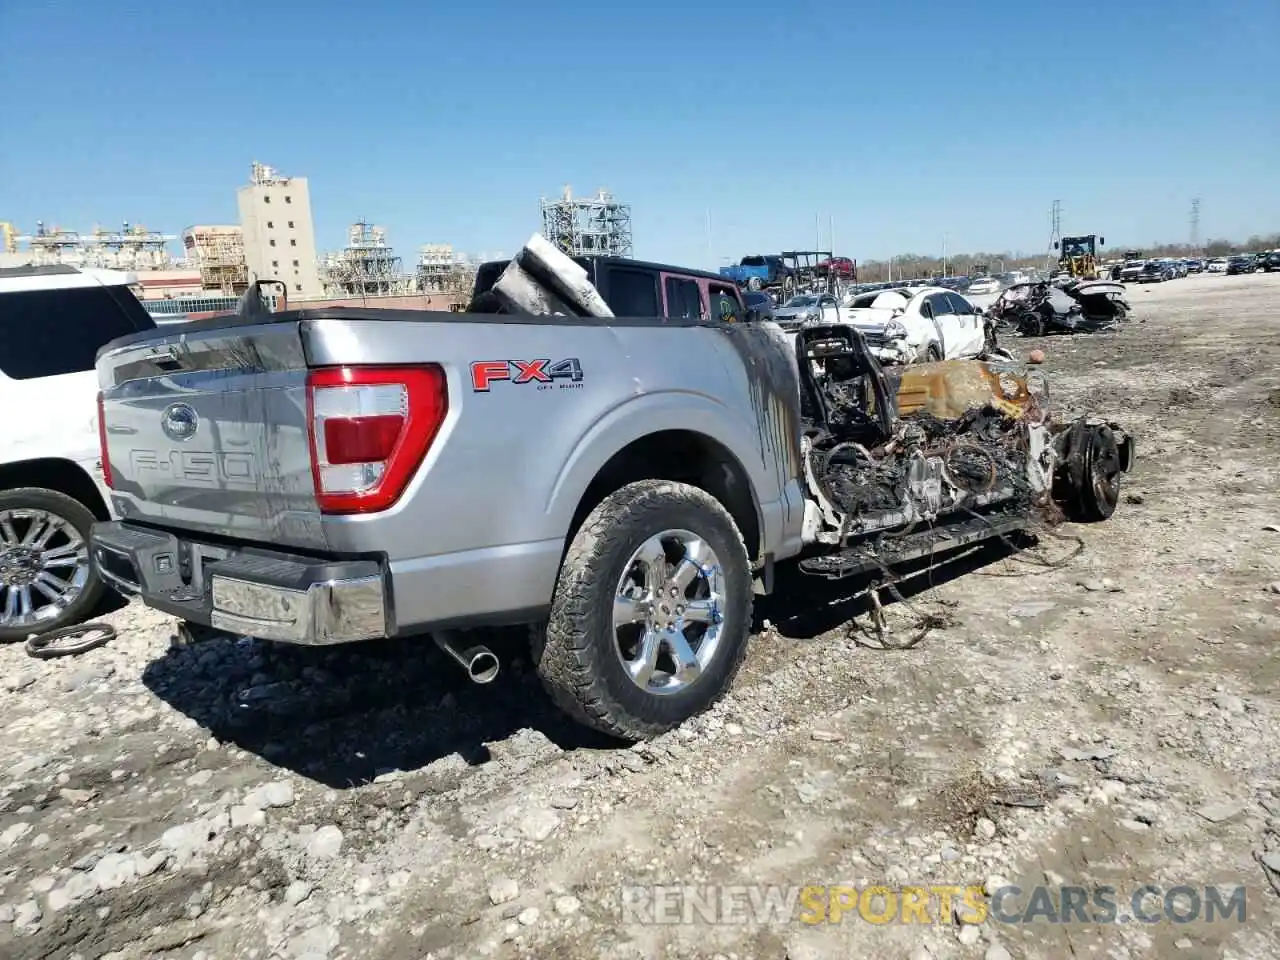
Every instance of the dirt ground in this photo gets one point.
(1111, 720)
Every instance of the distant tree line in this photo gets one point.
(910, 265)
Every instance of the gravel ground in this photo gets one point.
(1110, 720)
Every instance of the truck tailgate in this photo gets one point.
(207, 431)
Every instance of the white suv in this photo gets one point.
(52, 322)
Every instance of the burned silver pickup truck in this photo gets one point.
(606, 450)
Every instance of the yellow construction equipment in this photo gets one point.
(1079, 256)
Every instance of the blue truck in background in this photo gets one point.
(760, 272)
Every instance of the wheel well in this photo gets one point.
(682, 456)
(65, 476)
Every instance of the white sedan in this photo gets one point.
(983, 286)
(910, 324)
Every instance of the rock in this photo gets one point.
(826, 736)
(993, 883)
(984, 828)
(949, 854)
(278, 793)
(325, 843)
(528, 916)
(200, 778)
(1093, 752)
(296, 892)
(1093, 586)
(1274, 586)
(21, 681)
(314, 944)
(243, 815)
(1183, 943)
(1228, 703)
(145, 865)
(503, 890)
(27, 914)
(997, 952)
(538, 825)
(1032, 608)
(565, 801)
(733, 729)
(13, 833)
(567, 905)
(1035, 356)
(1134, 826)
(1271, 861)
(115, 870)
(968, 935)
(1218, 812)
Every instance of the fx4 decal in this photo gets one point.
(485, 373)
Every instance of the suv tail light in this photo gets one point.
(102, 443)
(371, 428)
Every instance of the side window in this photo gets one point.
(684, 299)
(633, 293)
(52, 332)
(724, 305)
(938, 301)
(959, 305)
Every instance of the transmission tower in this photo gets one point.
(1055, 227)
(1195, 225)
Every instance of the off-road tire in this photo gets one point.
(79, 516)
(576, 656)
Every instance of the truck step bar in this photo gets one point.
(886, 551)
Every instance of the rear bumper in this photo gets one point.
(258, 593)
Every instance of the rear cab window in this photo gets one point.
(684, 299)
(49, 333)
(632, 293)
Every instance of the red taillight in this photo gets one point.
(102, 442)
(370, 429)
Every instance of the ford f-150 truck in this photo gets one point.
(329, 475)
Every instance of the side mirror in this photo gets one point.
(752, 315)
(979, 311)
(1102, 241)
(1055, 244)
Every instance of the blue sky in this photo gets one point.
(445, 122)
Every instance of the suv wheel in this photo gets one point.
(46, 579)
(651, 611)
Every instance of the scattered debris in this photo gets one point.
(1219, 812)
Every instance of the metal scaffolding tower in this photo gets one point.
(218, 253)
(593, 226)
(442, 270)
(366, 267)
(129, 248)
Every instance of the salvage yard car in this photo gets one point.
(911, 324)
(606, 450)
(53, 319)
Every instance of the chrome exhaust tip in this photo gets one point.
(479, 662)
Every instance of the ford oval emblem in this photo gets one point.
(180, 422)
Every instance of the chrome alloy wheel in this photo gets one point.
(44, 566)
(668, 612)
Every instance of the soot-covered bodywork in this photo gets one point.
(930, 457)
(1036, 309)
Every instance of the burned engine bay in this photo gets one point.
(930, 457)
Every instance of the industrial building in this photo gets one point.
(131, 248)
(278, 234)
(218, 253)
(591, 226)
(442, 270)
(366, 267)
